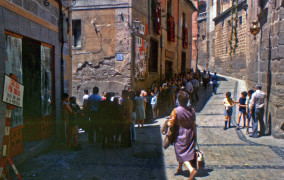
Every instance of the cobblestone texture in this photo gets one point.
(228, 154)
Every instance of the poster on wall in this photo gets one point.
(13, 64)
(13, 92)
(141, 49)
(46, 81)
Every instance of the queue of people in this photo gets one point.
(107, 119)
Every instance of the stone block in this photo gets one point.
(281, 37)
(281, 65)
(281, 26)
(41, 13)
(280, 79)
(43, 34)
(31, 6)
(274, 67)
(263, 65)
(35, 30)
(10, 20)
(53, 21)
(52, 37)
(18, 2)
(47, 16)
(280, 52)
(24, 26)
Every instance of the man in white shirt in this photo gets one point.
(189, 86)
(85, 97)
(257, 109)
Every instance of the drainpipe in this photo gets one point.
(59, 125)
(149, 16)
(178, 40)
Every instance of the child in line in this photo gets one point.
(229, 103)
(242, 109)
(249, 115)
(74, 122)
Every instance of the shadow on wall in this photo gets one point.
(222, 66)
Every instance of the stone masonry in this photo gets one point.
(257, 59)
(104, 34)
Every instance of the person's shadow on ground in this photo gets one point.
(200, 173)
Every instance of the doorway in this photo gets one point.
(169, 69)
(183, 63)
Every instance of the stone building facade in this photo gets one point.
(113, 56)
(30, 48)
(220, 61)
(257, 59)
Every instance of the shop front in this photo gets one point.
(32, 62)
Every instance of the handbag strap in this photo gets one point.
(197, 145)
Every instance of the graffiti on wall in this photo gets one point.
(141, 50)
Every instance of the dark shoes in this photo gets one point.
(238, 127)
(225, 128)
(253, 136)
(178, 172)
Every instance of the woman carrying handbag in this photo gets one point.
(184, 118)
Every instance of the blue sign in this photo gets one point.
(119, 57)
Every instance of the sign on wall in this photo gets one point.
(119, 57)
(140, 58)
(13, 92)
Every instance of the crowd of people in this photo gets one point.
(108, 118)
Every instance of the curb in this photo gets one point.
(43, 147)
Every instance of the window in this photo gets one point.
(184, 32)
(76, 36)
(171, 28)
(169, 6)
(153, 60)
(241, 20)
(156, 16)
(46, 80)
(201, 7)
(262, 3)
(13, 65)
(183, 63)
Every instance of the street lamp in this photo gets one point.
(136, 24)
(254, 29)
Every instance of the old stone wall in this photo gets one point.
(202, 44)
(222, 33)
(104, 33)
(268, 70)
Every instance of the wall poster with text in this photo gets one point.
(13, 64)
(141, 50)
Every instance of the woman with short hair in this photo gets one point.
(183, 118)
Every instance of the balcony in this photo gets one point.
(202, 16)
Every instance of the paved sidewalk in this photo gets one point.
(229, 154)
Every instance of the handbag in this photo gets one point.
(199, 157)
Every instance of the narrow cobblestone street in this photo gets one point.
(228, 154)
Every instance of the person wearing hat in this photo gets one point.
(257, 109)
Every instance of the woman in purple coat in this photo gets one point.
(183, 118)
